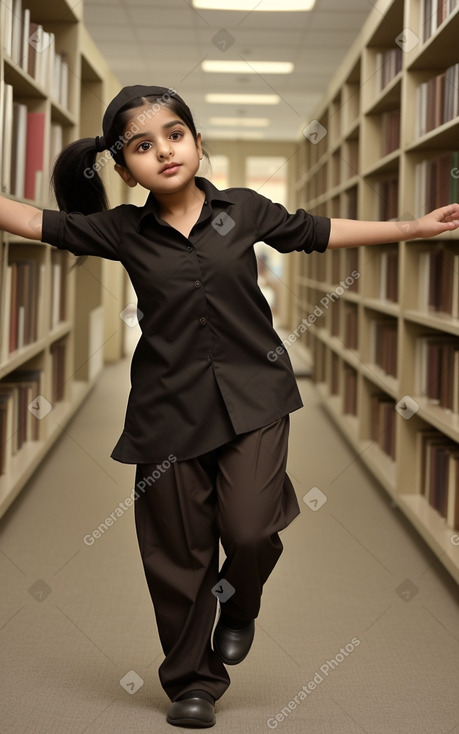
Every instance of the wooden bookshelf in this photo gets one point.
(392, 329)
(58, 324)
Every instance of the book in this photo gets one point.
(437, 474)
(34, 154)
(383, 423)
(383, 344)
(18, 150)
(434, 184)
(349, 391)
(390, 132)
(437, 373)
(437, 100)
(438, 281)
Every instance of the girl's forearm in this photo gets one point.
(20, 219)
(353, 233)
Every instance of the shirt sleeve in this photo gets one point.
(287, 232)
(92, 234)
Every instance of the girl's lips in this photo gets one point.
(171, 169)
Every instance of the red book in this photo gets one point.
(34, 151)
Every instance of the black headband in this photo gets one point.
(126, 95)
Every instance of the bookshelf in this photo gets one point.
(57, 324)
(385, 340)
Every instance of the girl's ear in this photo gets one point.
(198, 145)
(125, 175)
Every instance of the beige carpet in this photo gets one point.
(359, 626)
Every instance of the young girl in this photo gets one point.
(208, 414)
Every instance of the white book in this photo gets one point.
(64, 84)
(455, 309)
(49, 41)
(21, 325)
(40, 304)
(7, 137)
(56, 77)
(6, 313)
(421, 364)
(19, 150)
(424, 281)
(16, 39)
(56, 296)
(421, 115)
(56, 143)
(452, 506)
(434, 18)
(39, 59)
(455, 407)
(420, 184)
(9, 430)
(379, 71)
(383, 276)
(7, 25)
(25, 40)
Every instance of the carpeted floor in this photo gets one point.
(359, 627)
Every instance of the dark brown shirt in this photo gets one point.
(200, 373)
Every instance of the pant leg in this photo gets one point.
(256, 500)
(178, 541)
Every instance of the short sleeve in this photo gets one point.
(287, 231)
(92, 234)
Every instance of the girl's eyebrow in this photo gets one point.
(145, 134)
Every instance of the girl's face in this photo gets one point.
(160, 152)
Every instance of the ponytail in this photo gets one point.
(76, 183)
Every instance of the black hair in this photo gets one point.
(75, 179)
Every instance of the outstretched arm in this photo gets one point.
(353, 233)
(20, 219)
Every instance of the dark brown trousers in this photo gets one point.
(238, 494)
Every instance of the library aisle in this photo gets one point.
(359, 626)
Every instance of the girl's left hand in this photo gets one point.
(444, 219)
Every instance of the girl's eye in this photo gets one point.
(176, 135)
(144, 146)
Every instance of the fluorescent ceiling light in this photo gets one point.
(267, 99)
(235, 135)
(249, 5)
(240, 121)
(248, 67)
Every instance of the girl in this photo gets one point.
(208, 413)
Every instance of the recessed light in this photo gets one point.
(246, 67)
(252, 5)
(268, 99)
(240, 121)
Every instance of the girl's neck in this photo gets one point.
(180, 202)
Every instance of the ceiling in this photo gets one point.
(163, 42)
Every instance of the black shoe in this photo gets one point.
(194, 712)
(233, 645)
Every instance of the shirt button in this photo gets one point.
(203, 320)
(190, 248)
(208, 358)
(197, 284)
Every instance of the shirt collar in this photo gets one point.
(150, 208)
